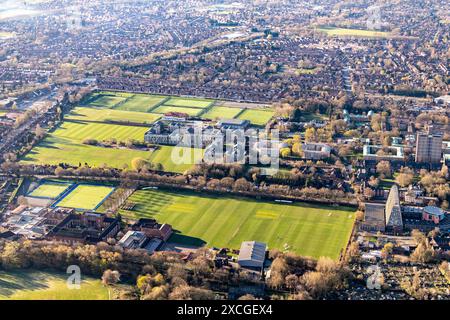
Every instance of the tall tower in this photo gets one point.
(428, 146)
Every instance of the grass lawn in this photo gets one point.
(221, 221)
(166, 109)
(65, 145)
(257, 117)
(106, 100)
(344, 32)
(42, 285)
(164, 156)
(221, 113)
(86, 197)
(189, 102)
(79, 131)
(49, 190)
(97, 114)
(141, 103)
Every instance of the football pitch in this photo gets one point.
(86, 197)
(217, 112)
(65, 145)
(257, 117)
(48, 189)
(105, 115)
(220, 221)
(42, 285)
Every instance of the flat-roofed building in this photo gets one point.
(374, 219)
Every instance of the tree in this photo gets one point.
(310, 135)
(387, 250)
(110, 277)
(191, 293)
(384, 169)
(404, 179)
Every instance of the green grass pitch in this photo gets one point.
(217, 112)
(42, 285)
(141, 103)
(49, 190)
(106, 101)
(64, 145)
(104, 115)
(189, 102)
(256, 116)
(166, 109)
(164, 156)
(86, 197)
(308, 230)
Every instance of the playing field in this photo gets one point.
(50, 190)
(168, 156)
(257, 117)
(331, 31)
(41, 285)
(189, 102)
(106, 100)
(223, 221)
(86, 197)
(217, 112)
(141, 103)
(166, 109)
(105, 115)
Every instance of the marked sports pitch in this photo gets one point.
(257, 117)
(221, 221)
(85, 197)
(49, 189)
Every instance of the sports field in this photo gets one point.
(257, 117)
(141, 103)
(49, 189)
(166, 109)
(221, 221)
(164, 156)
(332, 31)
(221, 113)
(189, 102)
(105, 115)
(87, 197)
(42, 285)
(106, 101)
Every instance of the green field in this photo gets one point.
(79, 131)
(49, 190)
(41, 285)
(86, 197)
(106, 100)
(105, 115)
(189, 102)
(65, 145)
(344, 32)
(141, 103)
(221, 221)
(164, 156)
(221, 113)
(257, 117)
(166, 109)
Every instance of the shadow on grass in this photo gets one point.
(178, 238)
(13, 281)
